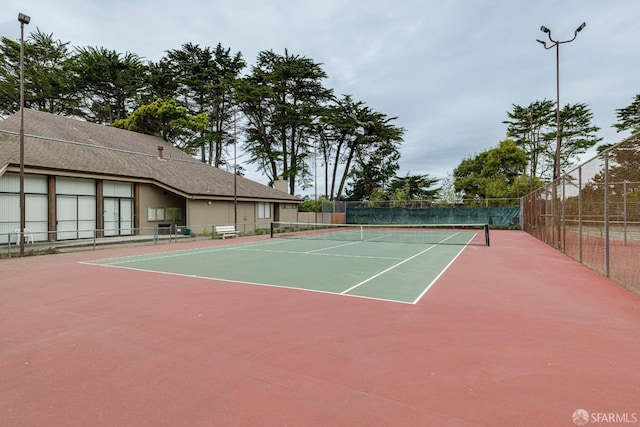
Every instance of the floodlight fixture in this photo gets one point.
(24, 19)
(545, 29)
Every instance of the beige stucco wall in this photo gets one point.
(151, 196)
(288, 212)
(200, 216)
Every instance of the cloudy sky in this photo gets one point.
(450, 70)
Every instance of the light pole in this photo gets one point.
(557, 171)
(24, 19)
(235, 170)
(556, 44)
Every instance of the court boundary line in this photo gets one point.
(398, 264)
(168, 254)
(244, 282)
(386, 270)
(433, 282)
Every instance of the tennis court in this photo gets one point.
(511, 334)
(390, 263)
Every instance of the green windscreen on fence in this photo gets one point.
(499, 216)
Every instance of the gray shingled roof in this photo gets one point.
(66, 144)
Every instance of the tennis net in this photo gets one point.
(445, 234)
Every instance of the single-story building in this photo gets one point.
(83, 178)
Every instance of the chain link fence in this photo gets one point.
(592, 213)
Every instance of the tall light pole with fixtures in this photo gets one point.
(24, 19)
(558, 157)
(556, 44)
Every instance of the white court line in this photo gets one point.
(172, 254)
(333, 247)
(388, 269)
(396, 265)
(437, 277)
(443, 270)
(193, 276)
(133, 258)
(315, 253)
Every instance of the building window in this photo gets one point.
(36, 206)
(76, 211)
(264, 210)
(118, 208)
(164, 214)
(173, 214)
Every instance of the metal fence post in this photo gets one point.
(563, 223)
(580, 236)
(606, 213)
(624, 209)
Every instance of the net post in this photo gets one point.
(486, 234)
(271, 229)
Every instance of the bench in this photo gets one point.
(226, 230)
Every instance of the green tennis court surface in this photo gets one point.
(400, 272)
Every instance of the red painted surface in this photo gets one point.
(514, 334)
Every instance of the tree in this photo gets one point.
(311, 205)
(492, 173)
(375, 166)
(223, 109)
(357, 144)
(281, 100)
(160, 82)
(337, 134)
(107, 82)
(534, 128)
(577, 133)
(415, 187)
(204, 81)
(629, 117)
(9, 76)
(447, 193)
(47, 84)
(400, 189)
(166, 120)
(368, 141)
